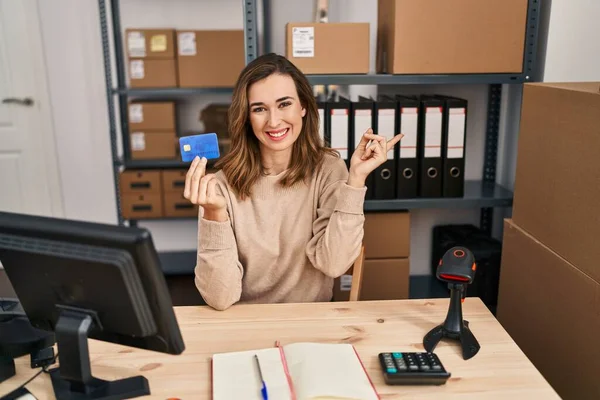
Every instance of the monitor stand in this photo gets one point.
(73, 379)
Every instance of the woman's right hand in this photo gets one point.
(200, 188)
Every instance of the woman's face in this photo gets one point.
(275, 112)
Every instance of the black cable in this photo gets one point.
(9, 395)
(44, 369)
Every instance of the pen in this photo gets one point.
(263, 390)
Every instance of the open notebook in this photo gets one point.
(299, 371)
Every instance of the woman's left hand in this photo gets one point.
(367, 157)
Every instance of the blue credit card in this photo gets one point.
(204, 145)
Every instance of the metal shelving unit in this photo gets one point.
(484, 194)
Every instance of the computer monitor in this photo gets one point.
(89, 280)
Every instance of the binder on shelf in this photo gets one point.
(407, 164)
(453, 154)
(361, 120)
(323, 122)
(430, 148)
(385, 124)
(339, 126)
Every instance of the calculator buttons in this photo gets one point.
(389, 364)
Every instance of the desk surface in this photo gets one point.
(500, 370)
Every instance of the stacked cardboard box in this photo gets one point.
(160, 58)
(386, 270)
(175, 205)
(452, 36)
(152, 130)
(151, 55)
(141, 194)
(549, 297)
(328, 48)
(214, 119)
(151, 194)
(212, 58)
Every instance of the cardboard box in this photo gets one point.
(175, 205)
(557, 184)
(158, 116)
(387, 235)
(210, 58)
(150, 43)
(173, 180)
(552, 311)
(148, 205)
(452, 36)
(328, 48)
(140, 182)
(153, 145)
(152, 73)
(214, 119)
(385, 279)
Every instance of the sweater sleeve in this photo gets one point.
(218, 272)
(338, 229)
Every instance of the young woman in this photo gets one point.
(283, 216)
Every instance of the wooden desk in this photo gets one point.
(500, 370)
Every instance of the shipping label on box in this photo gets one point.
(136, 44)
(303, 41)
(136, 69)
(186, 43)
(158, 43)
(150, 43)
(136, 113)
(138, 141)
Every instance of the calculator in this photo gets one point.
(422, 368)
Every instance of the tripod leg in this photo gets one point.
(470, 345)
(433, 337)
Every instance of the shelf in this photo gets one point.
(387, 79)
(477, 195)
(342, 79)
(157, 164)
(170, 92)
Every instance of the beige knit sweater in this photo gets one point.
(281, 244)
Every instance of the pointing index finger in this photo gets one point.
(395, 139)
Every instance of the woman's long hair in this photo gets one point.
(242, 164)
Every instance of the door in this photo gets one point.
(29, 179)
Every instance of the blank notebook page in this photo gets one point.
(235, 375)
(327, 371)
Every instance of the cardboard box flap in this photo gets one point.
(590, 87)
(552, 311)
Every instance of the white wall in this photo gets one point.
(71, 35)
(573, 48)
(73, 51)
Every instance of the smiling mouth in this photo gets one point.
(278, 134)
